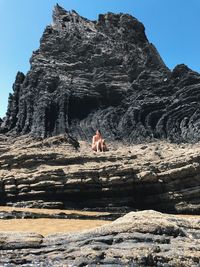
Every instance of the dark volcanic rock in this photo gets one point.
(138, 239)
(103, 74)
(13, 104)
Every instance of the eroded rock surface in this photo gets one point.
(145, 238)
(103, 74)
(52, 173)
(7, 213)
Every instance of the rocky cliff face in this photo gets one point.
(103, 74)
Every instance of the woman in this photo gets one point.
(98, 143)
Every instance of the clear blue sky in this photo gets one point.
(173, 26)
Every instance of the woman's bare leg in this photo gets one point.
(98, 145)
(94, 147)
(104, 147)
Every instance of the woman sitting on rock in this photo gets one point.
(98, 143)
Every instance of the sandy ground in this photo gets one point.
(48, 226)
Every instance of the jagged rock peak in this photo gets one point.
(103, 74)
(59, 11)
(118, 20)
(61, 17)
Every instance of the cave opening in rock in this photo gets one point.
(79, 108)
(51, 114)
(154, 117)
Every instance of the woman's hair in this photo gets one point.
(98, 131)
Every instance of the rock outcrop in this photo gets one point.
(138, 239)
(52, 173)
(7, 213)
(103, 74)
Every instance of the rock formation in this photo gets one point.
(7, 213)
(103, 74)
(138, 239)
(51, 173)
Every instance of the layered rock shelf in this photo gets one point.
(53, 173)
(7, 213)
(103, 74)
(145, 238)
